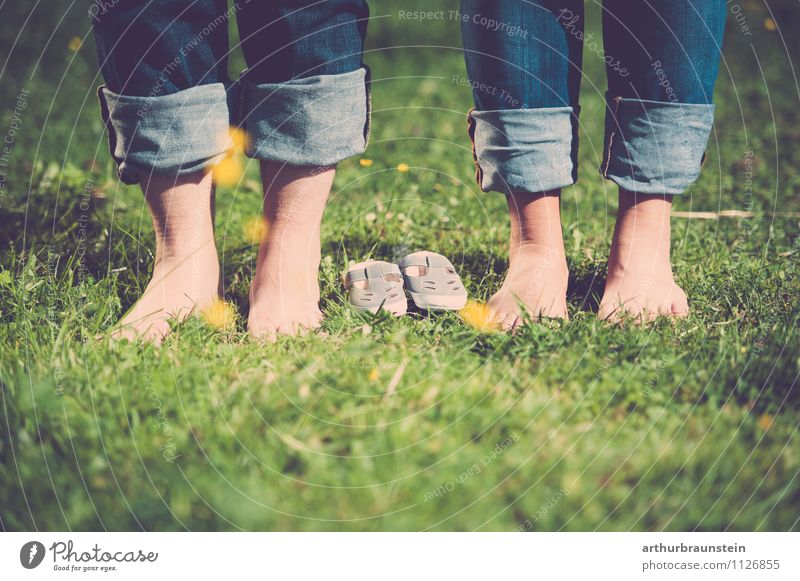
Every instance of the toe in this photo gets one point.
(154, 336)
(680, 304)
(153, 331)
(509, 322)
(315, 320)
(555, 311)
(607, 311)
(290, 329)
(263, 331)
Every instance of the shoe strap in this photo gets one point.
(431, 260)
(372, 271)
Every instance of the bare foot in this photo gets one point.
(284, 297)
(537, 275)
(640, 282)
(186, 271)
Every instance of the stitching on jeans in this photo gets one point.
(611, 137)
(105, 115)
(471, 123)
(575, 139)
(368, 88)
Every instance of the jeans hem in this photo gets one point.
(654, 147)
(173, 134)
(528, 150)
(313, 121)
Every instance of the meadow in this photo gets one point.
(424, 422)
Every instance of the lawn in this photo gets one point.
(418, 423)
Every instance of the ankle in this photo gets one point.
(182, 211)
(536, 226)
(543, 257)
(535, 217)
(645, 211)
(186, 251)
(641, 243)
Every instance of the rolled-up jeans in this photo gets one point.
(168, 102)
(524, 63)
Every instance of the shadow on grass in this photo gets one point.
(585, 287)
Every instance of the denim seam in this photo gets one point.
(617, 101)
(471, 124)
(106, 117)
(368, 89)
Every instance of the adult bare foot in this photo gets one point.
(537, 275)
(186, 271)
(640, 282)
(284, 296)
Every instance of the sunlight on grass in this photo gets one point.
(352, 425)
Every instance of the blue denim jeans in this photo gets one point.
(524, 63)
(168, 102)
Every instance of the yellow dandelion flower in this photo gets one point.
(374, 375)
(239, 138)
(769, 24)
(479, 317)
(255, 229)
(365, 162)
(765, 422)
(402, 167)
(219, 314)
(75, 44)
(229, 171)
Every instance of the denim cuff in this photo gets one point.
(653, 147)
(527, 150)
(317, 120)
(172, 134)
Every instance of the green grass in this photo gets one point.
(673, 426)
